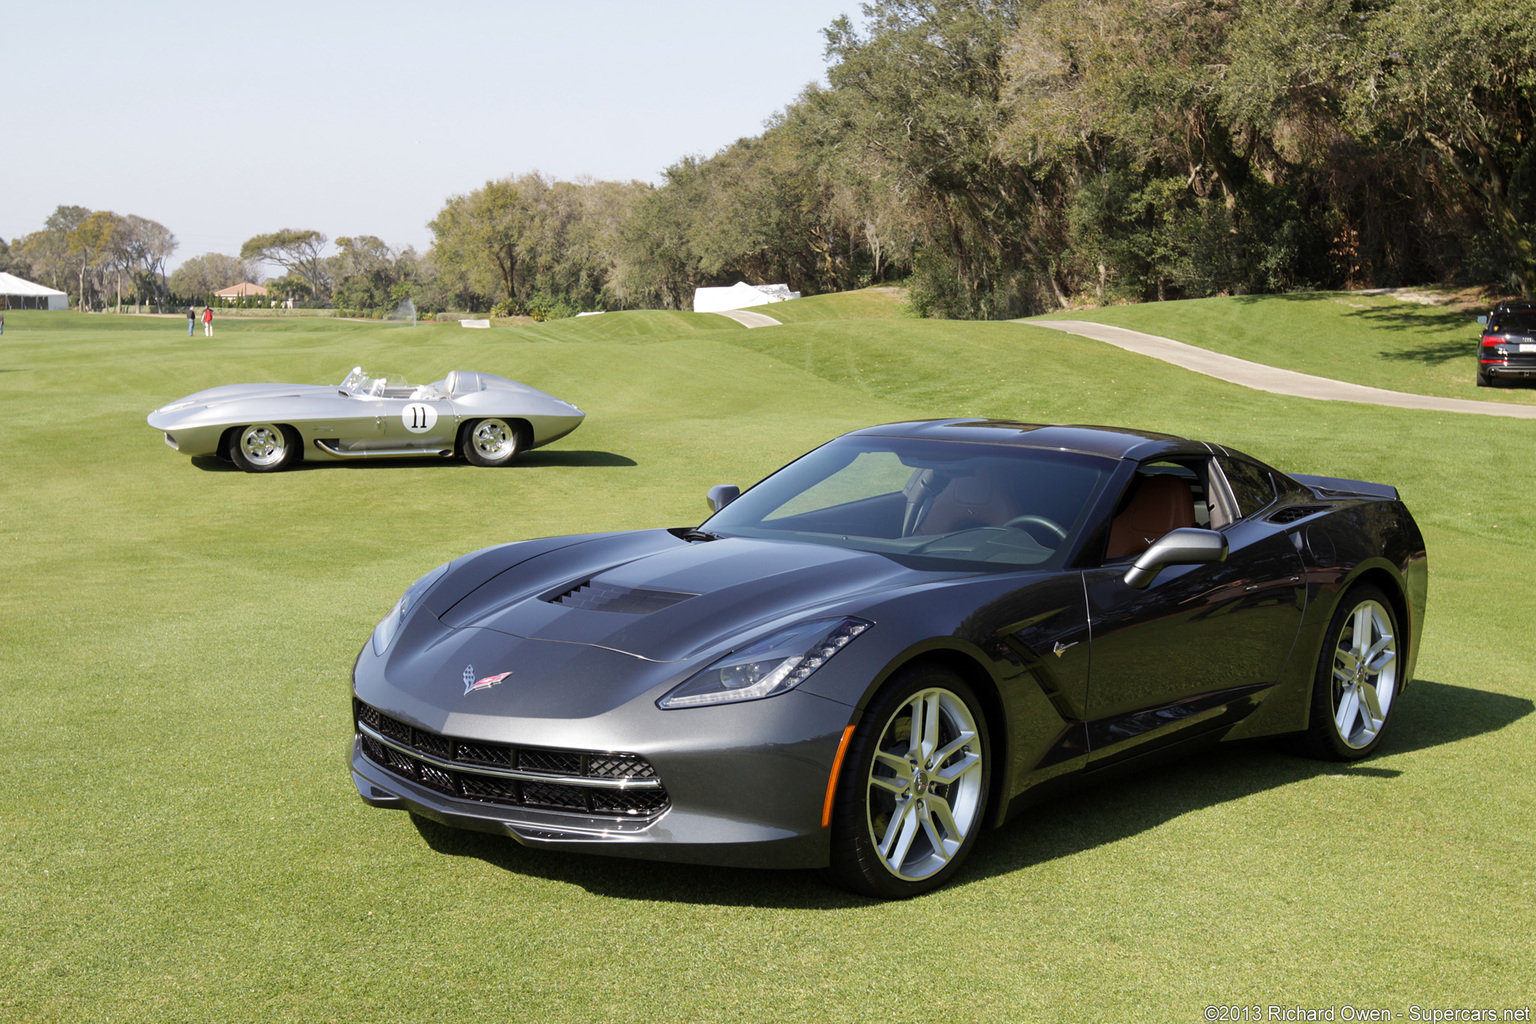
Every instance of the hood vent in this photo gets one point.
(1292, 513)
(604, 597)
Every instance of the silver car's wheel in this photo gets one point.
(263, 447)
(914, 803)
(491, 442)
(1357, 678)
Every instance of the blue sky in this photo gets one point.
(224, 122)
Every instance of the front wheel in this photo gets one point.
(1357, 678)
(264, 448)
(492, 442)
(912, 795)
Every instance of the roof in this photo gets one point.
(10, 284)
(1114, 442)
(243, 288)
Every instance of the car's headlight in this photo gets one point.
(768, 667)
(385, 631)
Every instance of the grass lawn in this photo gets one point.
(180, 840)
(1377, 340)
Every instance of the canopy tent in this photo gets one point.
(239, 291)
(739, 296)
(16, 293)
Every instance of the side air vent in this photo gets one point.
(1293, 513)
(603, 597)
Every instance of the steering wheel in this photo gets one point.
(1049, 525)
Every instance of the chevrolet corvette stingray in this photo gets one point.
(893, 643)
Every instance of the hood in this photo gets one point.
(241, 392)
(658, 597)
(470, 682)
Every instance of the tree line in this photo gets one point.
(1006, 157)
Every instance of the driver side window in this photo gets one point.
(1161, 497)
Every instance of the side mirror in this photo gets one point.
(722, 495)
(1187, 545)
(1482, 320)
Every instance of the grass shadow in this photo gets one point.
(1434, 714)
(1439, 352)
(540, 459)
(1416, 318)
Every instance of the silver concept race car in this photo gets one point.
(266, 427)
(889, 645)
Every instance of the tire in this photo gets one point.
(264, 448)
(1482, 379)
(490, 442)
(907, 813)
(1357, 681)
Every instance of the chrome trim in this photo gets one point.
(326, 446)
(505, 773)
(171, 441)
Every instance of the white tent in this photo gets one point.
(739, 296)
(18, 294)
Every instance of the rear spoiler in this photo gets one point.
(1337, 487)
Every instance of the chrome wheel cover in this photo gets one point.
(1364, 674)
(262, 444)
(493, 439)
(925, 784)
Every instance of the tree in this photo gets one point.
(298, 252)
(919, 94)
(199, 277)
(90, 247)
(366, 272)
(145, 246)
(478, 238)
(1455, 80)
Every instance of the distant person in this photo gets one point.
(208, 321)
(191, 320)
(2, 323)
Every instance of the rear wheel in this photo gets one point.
(490, 442)
(1357, 678)
(264, 447)
(1482, 379)
(912, 795)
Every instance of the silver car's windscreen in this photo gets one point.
(984, 504)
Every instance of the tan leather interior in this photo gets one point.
(1160, 504)
(967, 502)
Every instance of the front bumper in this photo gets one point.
(738, 800)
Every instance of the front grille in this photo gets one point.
(590, 782)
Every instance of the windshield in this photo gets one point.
(991, 505)
(363, 384)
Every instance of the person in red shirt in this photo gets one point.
(207, 322)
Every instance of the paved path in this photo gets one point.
(1269, 378)
(749, 319)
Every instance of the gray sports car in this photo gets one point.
(266, 427)
(900, 638)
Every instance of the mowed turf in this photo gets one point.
(180, 840)
(1426, 347)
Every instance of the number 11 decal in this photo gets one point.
(418, 418)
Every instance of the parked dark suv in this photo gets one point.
(1507, 350)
